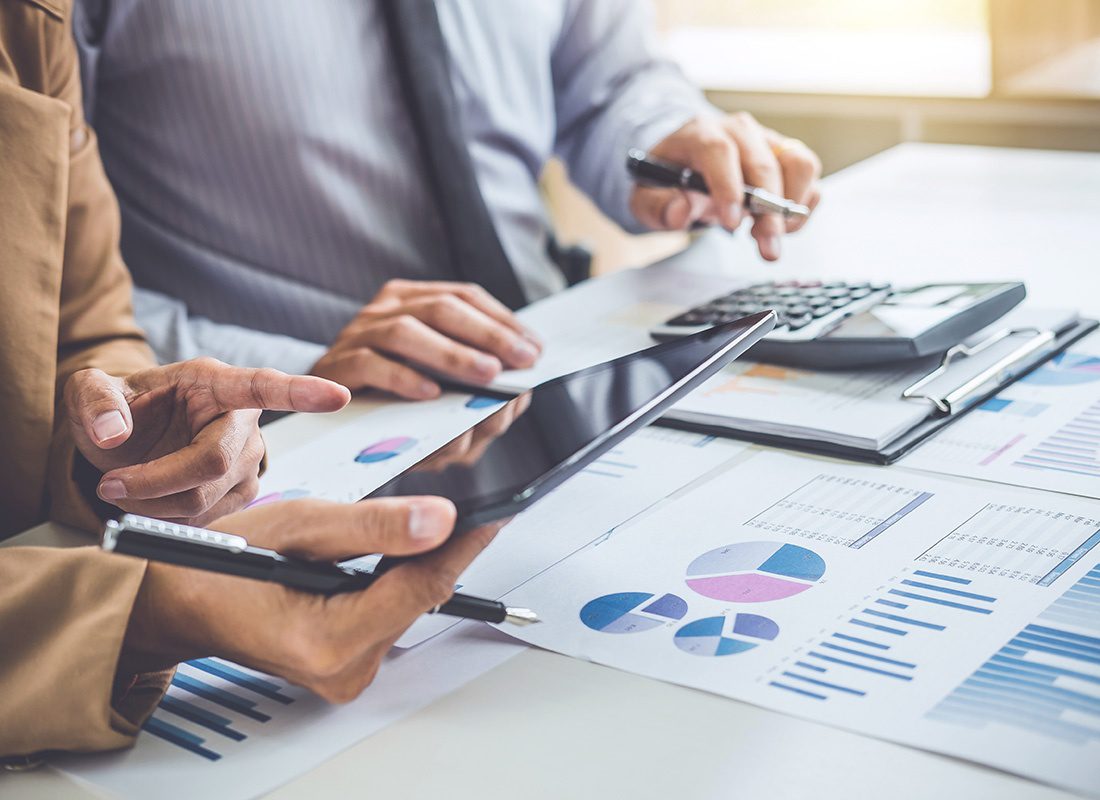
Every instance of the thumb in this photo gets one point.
(322, 530)
(666, 209)
(96, 404)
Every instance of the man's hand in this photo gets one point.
(730, 152)
(331, 645)
(454, 329)
(182, 442)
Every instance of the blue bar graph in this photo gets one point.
(179, 737)
(228, 689)
(233, 675)
(1039, 680)
(853, 662)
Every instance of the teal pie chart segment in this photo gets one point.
(725, 634)
(755, 572)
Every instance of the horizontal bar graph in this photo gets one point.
(1024, 543)
(1046, 679)
(881, 645)
(840, 510)
(1073, 448)
(209, 697)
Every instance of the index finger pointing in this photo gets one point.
(238, 388)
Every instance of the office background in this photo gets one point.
(854, 77)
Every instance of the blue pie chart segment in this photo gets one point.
(725, 635)
(632, 612)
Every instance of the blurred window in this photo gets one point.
(899, 48)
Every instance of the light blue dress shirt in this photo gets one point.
(267, 170)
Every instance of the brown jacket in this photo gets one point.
(64, 306)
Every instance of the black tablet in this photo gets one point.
(537, 440)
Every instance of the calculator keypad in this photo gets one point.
(796, 303)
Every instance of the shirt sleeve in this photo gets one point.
(177, 336)
(613, 92)
(63, 616)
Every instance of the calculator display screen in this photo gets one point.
(908, 313)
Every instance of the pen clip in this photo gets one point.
(998, 372)
(169, 530)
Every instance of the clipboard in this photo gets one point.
(945, 406)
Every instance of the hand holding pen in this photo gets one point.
(730, 153)
(331, 644)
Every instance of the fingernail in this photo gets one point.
(428, 389)
(677, 212)
(113, 489)
(419, 528)
(108, 425)
(772, 247)
(486, 365)
(524, 353)
(533, 339)
(735, 215)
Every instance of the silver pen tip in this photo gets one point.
(521, 616)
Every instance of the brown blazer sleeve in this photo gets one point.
(96, 327)
(63, 613)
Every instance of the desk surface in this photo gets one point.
(557, 725)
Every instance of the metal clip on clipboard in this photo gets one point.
(996, 375)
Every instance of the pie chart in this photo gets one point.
(385, 449)
(632, 612)
(1066, 369)
(755, 572)
(725, 635)
(478, 401)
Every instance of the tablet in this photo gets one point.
(537, 440)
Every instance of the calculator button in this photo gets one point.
(818, 302)
(798, 310)
(859, 285)
(879, 287)
(858, 294)
(834, 285)
(840, 302)
(836, 293)
(794, 323)
(821, 311)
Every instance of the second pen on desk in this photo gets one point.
(228, 554)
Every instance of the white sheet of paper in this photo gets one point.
(951, 617)
(248, 742)
(1042, 432)
(631, 479)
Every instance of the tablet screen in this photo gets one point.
(553, 427)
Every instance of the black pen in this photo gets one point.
(228, 554)
(646, 169)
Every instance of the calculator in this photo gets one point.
(852, 324)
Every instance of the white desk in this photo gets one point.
(563, 728)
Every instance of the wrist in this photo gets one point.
(165, 627)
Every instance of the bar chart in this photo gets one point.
(1074, 448)
(883, 641)
(840, 510)
(209, 696)
(1045, 680)
(1022, 543)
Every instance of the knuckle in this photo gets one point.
(216, 461)
(759, 165)
(744, 118)
(193, 502)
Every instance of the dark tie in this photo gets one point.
(423, 70)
